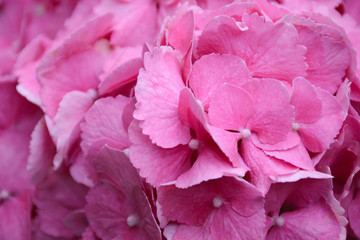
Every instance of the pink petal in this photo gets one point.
(304, 99)
(292, 139)
(210, 164)
(158, 165)
(318, 136)
(297, 156)
(180, 31)
(265, 47)
(225, 110)
(228, 144)
(315, 222)
(58, 79)
(273, 115)
(157, 93)
(211, 71)
(104, 124)
(122, 75)
(263, 168)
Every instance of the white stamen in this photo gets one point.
(93, 94)
(194, 144)
(40, 10)
(217, 202)
(132, 220)
(295, 126)
(245, 133)
(4, 194)
(279, 221)
(126, 152)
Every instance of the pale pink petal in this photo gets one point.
(231, 108)
(104, 124)
(211, 71)
(71, 111)
(157, 94)
(266, 47)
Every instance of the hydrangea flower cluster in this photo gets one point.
(179, 119)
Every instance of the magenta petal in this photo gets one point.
(315, 222)
(15, 221)
(354, 212)
(292, 139)
(157, 94)
(104, 124)
(109, 207)
(225, 110)
(211, 71)
(210, 164)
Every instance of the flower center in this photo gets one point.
(217, 202)
(279, 221)
(4, 194)
(295, 126)
(245, 133)
(194, 144)
(132, 220)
